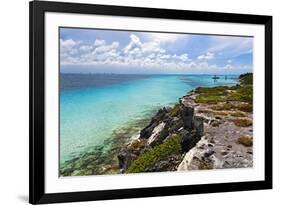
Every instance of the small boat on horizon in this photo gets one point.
(215, 77)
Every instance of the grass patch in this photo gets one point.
(218, 90)
(245, 140)
(203, 98)
(242, 94)
(237, 114)
(245, 107)
(221, 113)
(242, 122)
(175, 110)
(224, 94)
(224, 106)
(158, 153)
(211, 95)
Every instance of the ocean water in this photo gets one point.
(92, 106)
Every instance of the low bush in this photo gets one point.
(158, 153)
(245, 107)
(224, 106)
(245, 140)
(246, 79)
(242, 122)
(175, 110)
(237, 114)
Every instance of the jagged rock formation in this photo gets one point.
(167, 123)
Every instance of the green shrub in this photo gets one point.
(175, 110)
(218, 90)
(246, 79)
(158, 153)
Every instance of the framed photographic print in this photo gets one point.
(140, 102)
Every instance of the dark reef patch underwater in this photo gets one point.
(102, 159)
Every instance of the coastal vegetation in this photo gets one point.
(161, 152)
(175, 110)
(242, 93)
(246, 79)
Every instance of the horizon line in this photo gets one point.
(84, 73)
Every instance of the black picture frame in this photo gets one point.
(37, 10)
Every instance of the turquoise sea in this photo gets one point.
(93, 106)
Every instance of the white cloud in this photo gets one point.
(149, 55)
(184, 57)
(103, 48)
(99, 42)
(68, 43)
(206, 56)
(86, 48)
(231, 46)
(163, 37)
(135, 42)
(228, 66)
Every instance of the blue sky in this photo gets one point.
(108, 51)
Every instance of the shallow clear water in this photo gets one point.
(92, 106)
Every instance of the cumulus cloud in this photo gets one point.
(163, 37)
(150, 54)
(206, 56)
(99, 42)
(68, 43)
(134, 43)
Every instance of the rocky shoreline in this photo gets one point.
(210, 128)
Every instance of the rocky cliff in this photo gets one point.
(209, 128)
(162, 143)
